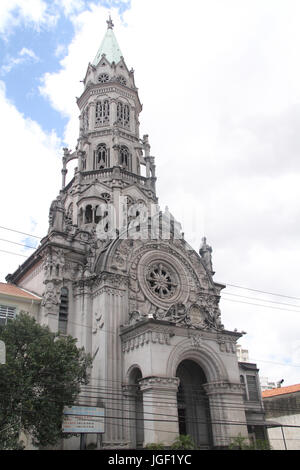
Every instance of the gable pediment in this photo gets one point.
(94, 191)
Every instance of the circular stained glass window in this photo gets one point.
(103, 78)
(121, 80)
(161, 281)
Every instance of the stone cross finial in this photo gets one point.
(110, 24)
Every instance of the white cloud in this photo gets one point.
(24, 55)
(30, 180)
(70, 6)
(219, 83)
(60, 51)
(30, 12)
(28, 52)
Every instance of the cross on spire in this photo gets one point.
(110, 24)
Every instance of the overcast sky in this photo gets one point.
(220, 86)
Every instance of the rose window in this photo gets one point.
(161, 281)
(103, 78)
(121, 80)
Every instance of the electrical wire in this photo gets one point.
(20, 244)
(227, 284)
(11, 253)
(22, 233)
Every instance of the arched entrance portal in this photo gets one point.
(193, 405)
(136, 409)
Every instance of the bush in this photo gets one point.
(183, 442)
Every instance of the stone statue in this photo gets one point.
(205, 252)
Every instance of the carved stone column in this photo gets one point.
(160, 409)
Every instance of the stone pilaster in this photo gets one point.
(227, 411)
(160, 409)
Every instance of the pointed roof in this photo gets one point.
(109, 46)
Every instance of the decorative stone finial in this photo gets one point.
(110, 24)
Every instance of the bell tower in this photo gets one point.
(110, 152)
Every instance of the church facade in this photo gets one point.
(116, 273)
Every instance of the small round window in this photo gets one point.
(121, 80)
(103, 78)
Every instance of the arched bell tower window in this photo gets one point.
(101, 157)
(88, 219)
(123, 114)
(102, 113)
(125, 158)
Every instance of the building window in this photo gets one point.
(123, 114)
(125, 158)
(103, 78)
(102, 113)
(88, 219)
(121, 80)
(253, 394)
(63, 310)
(101, 157)
(161, 281)
(6, 313)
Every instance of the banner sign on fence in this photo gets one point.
(83, 420)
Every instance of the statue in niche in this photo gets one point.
(50, 299)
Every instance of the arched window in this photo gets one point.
(83, 162)
(80, 217)
(100, 213)
(123, 114)
(88, 215)
(125, 158)
(101, 156)
(102, 113)
(63, 310)
(136, 409)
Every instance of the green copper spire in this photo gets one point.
(109, 46)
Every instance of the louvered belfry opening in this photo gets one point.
(63, 310)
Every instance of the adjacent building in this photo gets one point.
(283, 406)
(15, 300)
(115, 272)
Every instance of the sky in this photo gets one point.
(220, 87)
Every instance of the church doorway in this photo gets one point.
(193, 405)
(136, 408)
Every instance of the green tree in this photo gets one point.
(183, 441)
(43, 373)
(242, 443)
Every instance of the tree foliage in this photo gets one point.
(183, 441)
(42, 374)
(242, 443)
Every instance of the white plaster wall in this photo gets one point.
(291, 435)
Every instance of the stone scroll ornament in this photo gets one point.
(204, 317)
